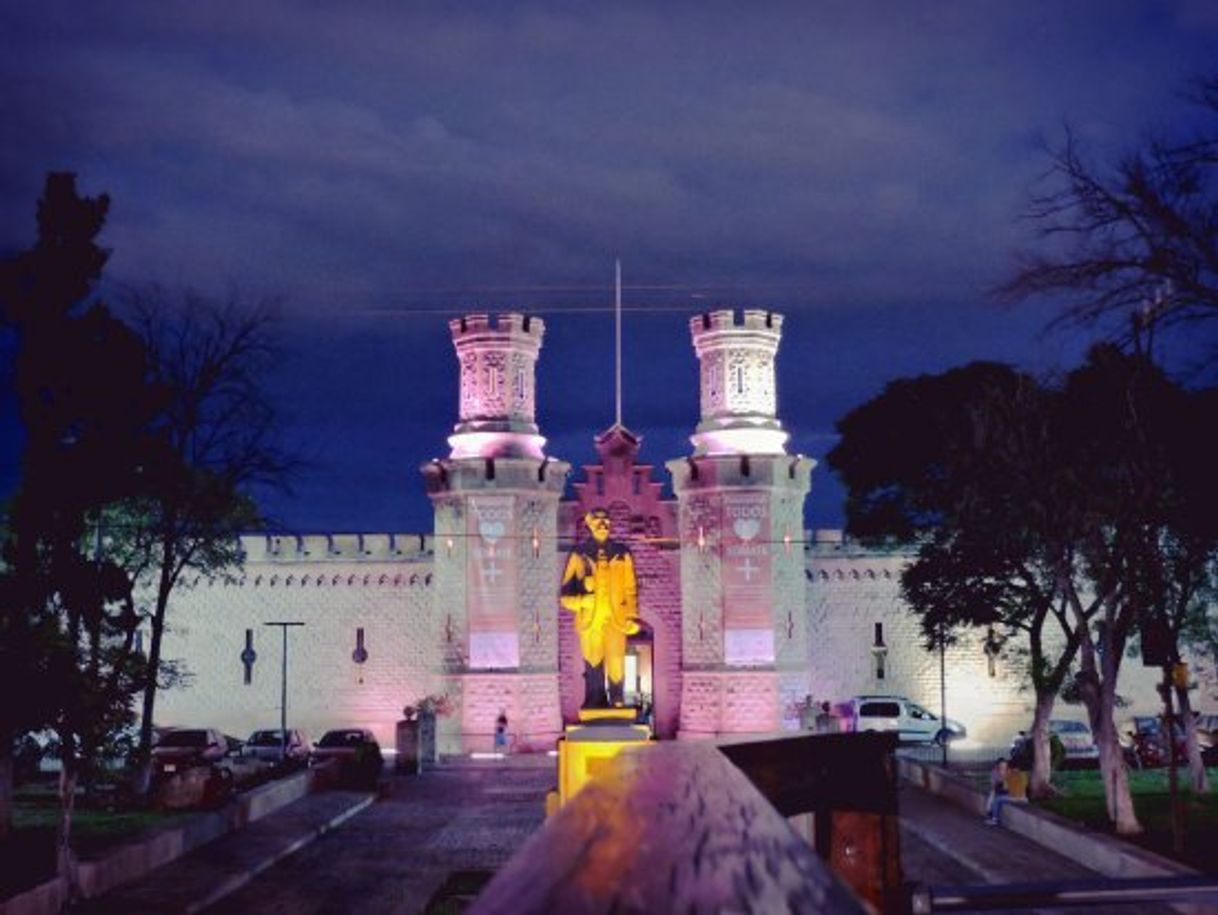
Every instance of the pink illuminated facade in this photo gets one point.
(724, 641)
(746, 617)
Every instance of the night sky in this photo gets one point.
(860, 167)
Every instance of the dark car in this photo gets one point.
(1148, 747)
(184, 748)
(268, 746)
(355, 750)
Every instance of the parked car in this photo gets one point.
(912, 722)
(268, 746)
(183, 748)
(356, 751)
(1074, 737)
(1147, 745)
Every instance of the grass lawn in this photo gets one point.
(1082, 800)
(29, 853)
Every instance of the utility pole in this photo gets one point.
(283, 690)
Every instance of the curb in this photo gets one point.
(237, 881)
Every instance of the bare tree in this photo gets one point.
(222, 442)
(1136, 241)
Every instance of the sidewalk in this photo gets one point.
(201, 878)
(945, 845)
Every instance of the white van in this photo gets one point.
(912, 722)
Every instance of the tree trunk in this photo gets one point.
(1042, 771)
(1100, 699)
(6, 788)
(65, 860)
(1198, 780)
(143, 767)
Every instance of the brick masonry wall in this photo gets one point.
(390, 600)
(409, 613)
(528, 700)
(737, 702)
(451, 646)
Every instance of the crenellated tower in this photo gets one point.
(738, 397)
(496, 500)
(740, 516)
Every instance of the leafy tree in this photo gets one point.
(1160, 503)
(1084, 505)
(966, 464)
(1117, 238)
(86, 406)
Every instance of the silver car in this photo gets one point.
(912, 722)
(268, 746)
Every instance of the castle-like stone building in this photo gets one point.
(745, 615)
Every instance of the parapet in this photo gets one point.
(508, 326)
(756, 319)
(285, 547)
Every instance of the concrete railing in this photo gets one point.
(665, 828)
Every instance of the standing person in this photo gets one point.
(826, 721)
(999, 792)
(501, 724)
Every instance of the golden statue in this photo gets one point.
(598, 586)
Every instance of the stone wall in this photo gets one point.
(851, 589)
(334, 585)
(385, 585)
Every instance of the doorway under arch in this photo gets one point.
(640, 657)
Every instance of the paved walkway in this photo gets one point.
(388, 856)
(944, 845)
(393, 856)
(197, 879)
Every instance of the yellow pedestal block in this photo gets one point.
(585, 750)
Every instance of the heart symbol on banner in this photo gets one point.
(746, 528)
(491, 530)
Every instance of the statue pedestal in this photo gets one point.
(601, 715)
(585, 748)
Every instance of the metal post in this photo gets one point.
(283, 690)
(943, 692)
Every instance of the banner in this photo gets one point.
(491, 582)
(748, 596)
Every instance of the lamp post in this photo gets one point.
(283, 689)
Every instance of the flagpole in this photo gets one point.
(617, 315)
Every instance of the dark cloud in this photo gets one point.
(858, 165)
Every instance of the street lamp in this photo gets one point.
(283, 690)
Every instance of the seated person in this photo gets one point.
(999, 794)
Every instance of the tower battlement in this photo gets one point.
(509, 327)
(739, 402)
(498, 360)
(756, 319)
